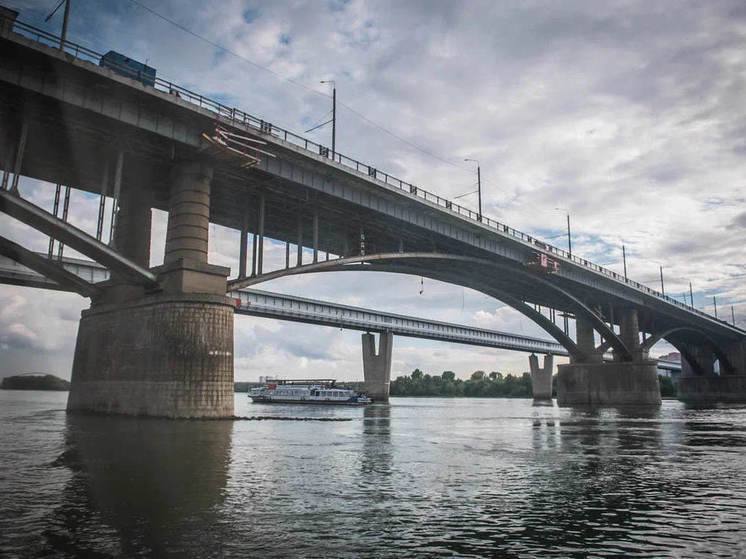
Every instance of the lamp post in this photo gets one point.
(624, 261)
(663, 289)
(479, 186)
(334, 115)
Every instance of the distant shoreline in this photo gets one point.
(35, 381)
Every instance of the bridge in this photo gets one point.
(159, 341)
(279, 306)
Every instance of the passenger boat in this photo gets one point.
(314, 391)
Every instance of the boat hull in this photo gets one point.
(261, 400)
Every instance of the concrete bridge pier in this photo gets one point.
(700, 384)
(598, 383)
(541, 377)
(377, 366)
(165, 352)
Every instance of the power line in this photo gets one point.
(319, 124)
(294, 82)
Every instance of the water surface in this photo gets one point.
(421, 477)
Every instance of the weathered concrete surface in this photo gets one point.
(189, 213)
(377, 366)
(169, 356)
(586, 340)
(608, 384)
(133, 225)
(712, 388)
(541, 377)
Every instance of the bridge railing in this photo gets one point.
(238, 118)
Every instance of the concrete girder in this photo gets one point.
(43, 221)
(47, 268)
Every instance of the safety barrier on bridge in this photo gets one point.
(240, 119)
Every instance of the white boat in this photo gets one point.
(316, 391)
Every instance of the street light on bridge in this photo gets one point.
(479, 186)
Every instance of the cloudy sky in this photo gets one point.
(628, 115)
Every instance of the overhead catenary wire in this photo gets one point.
(319, 124)
(297, 83)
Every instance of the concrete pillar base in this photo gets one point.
(608, 384)
(541, 377)
(377, 366)
(164, 356)
(712, 388)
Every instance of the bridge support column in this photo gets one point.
(133, 224)
(585, 339)
(608, 384)
(377, 366)
(699, 384)
(541, 377)
(629, 332)
(167, 353)
(598, 383)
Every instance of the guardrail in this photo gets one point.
(239, 118)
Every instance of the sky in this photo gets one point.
(626, 115)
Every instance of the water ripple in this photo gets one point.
(466, 478)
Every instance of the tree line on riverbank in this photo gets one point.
(481, 385)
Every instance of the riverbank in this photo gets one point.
(35, 381)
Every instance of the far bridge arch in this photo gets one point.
(392, 262)
(669, 336)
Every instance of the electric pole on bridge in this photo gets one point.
(65, 19)
(479, 186)
(334, 115)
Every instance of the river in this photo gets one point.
(421, 477)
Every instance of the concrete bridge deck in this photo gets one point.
(303, 181)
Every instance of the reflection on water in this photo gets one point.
(419, 477)
(139, 486)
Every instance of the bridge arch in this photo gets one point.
(391, 262)
(725, 363)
